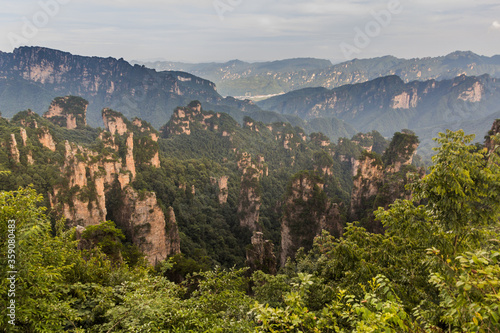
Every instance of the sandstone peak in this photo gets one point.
(114, 121)
(68, 111)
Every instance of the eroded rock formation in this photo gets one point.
(380, 179)
(145, 224)
(307, 212)
(69, 112)
(260, 254)
(250, 200)
(495, 129)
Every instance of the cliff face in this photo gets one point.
(368, 176)
(223, 189)
(380, 179)
(14, 151)
(145, 224)
(69, 112)
(260, 255)
(114, 122)
(250, 199)
(46, 139)
(307, 212)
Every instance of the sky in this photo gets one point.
(252, 30)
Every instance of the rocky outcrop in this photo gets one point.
(82, 200)
(46, 139)
(14, 151)
(97, 187)
(474, 94)
(114, 122)
(307, 212)
(405, 100)
(145, 224)
(368, 173)
(173, 239)
(186, 119)
(380, 180)
(250, 200)
(129, 157)
(260, 254)
(223, 189)
(291, 137)
(69, 112)
(24, 136)
(320, 139)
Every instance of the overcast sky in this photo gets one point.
(252, 30)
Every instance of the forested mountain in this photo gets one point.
(31, 77)
(237, 78)
(387, 103)
(200, 186)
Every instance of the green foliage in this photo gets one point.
(470, 295)
(462, 189)
(401, 148)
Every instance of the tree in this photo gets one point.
(40, 261)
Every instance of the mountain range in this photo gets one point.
(385, 94)
(426, 107)
(30, 77)
(238, 78)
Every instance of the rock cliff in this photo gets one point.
(145, 224)
(46, 139)
(14, 151)
(260, 254)
(307, 212)
(93, 177)
(378, 180)
(250, 198)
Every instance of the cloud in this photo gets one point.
(495, 25)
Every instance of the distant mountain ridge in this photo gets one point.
(237, 78)
(33, 76)
(387, 104)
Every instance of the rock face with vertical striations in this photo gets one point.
(380, 179)
(223, 189)
(14, 151)
(93, 180)
(250, 199)
(46, 139)
(145, 224)
(114, 122)
(307, 212)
